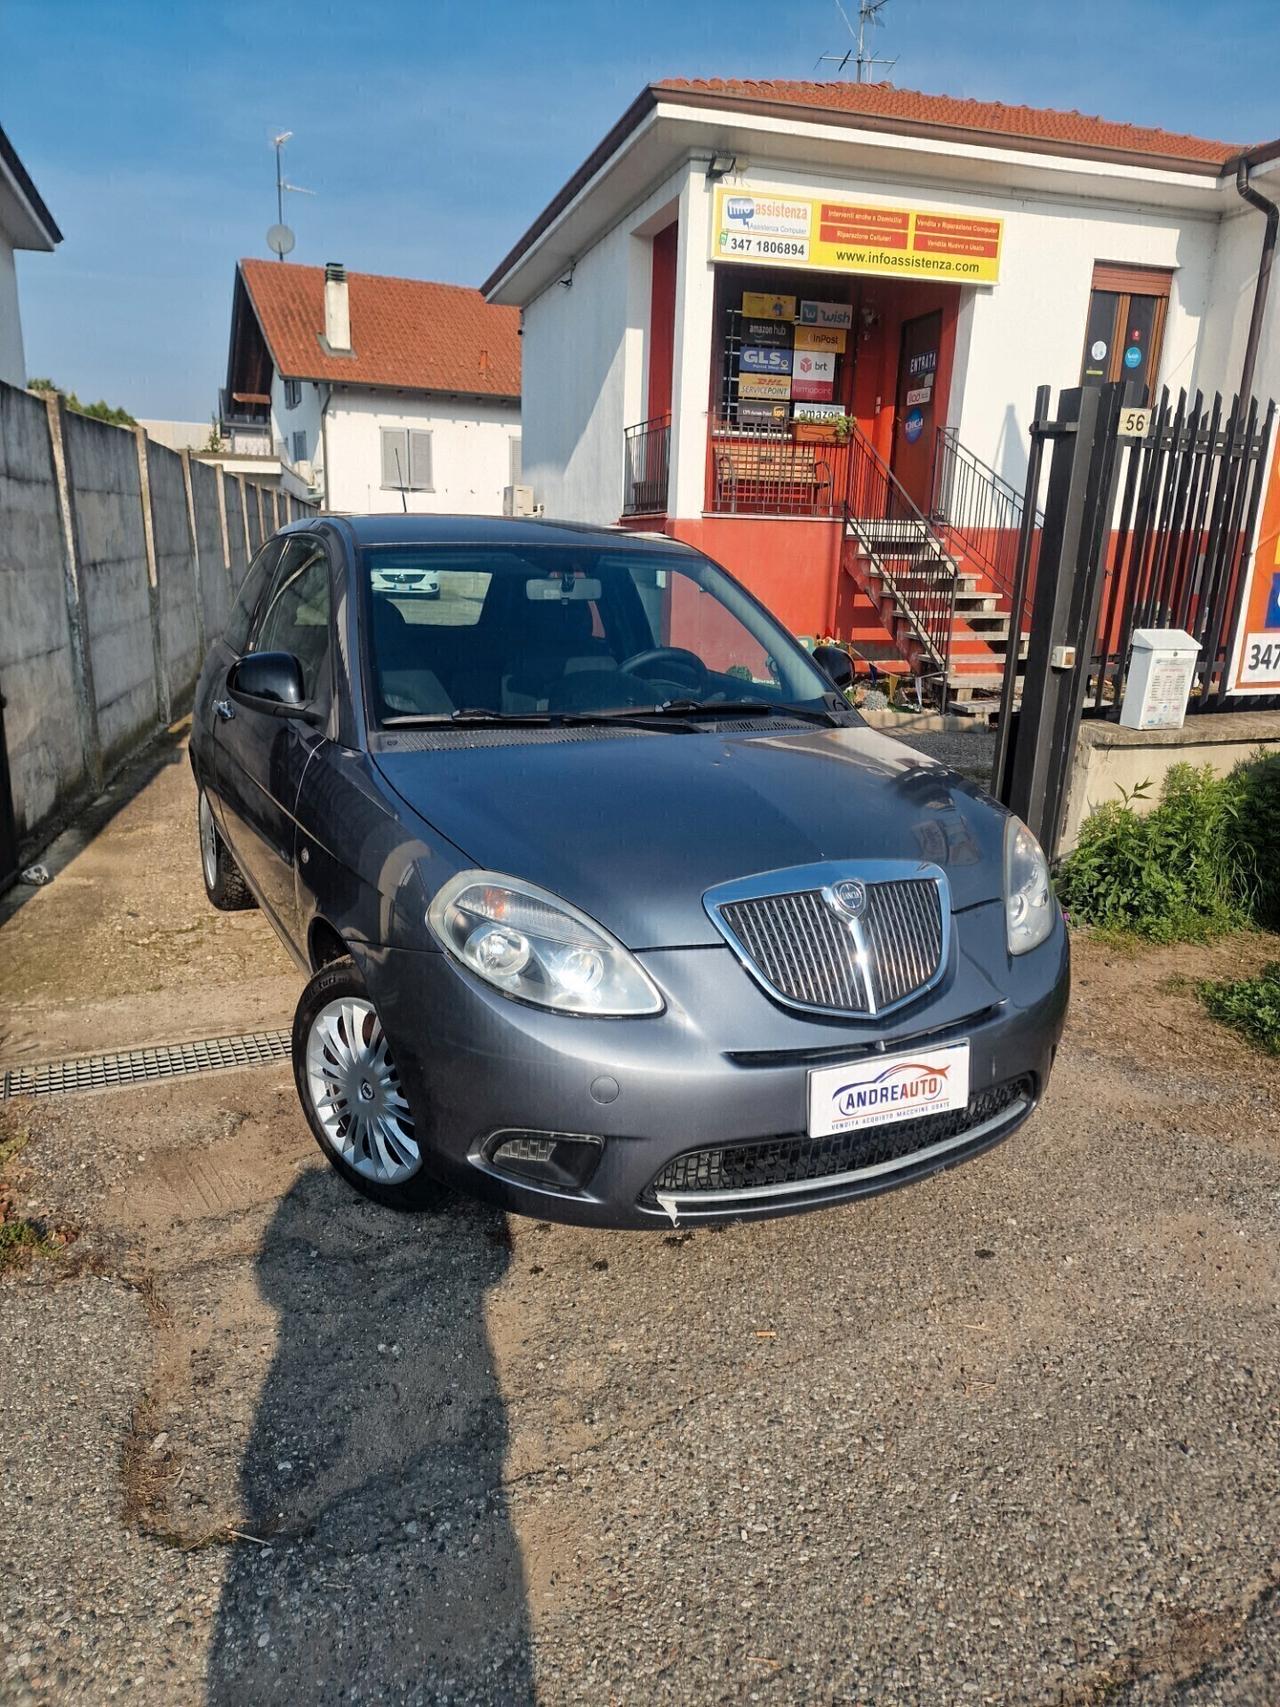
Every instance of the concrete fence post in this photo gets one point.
(73, 583)
(163, 707)
(202, 569)
(244, 518)
(220, 480)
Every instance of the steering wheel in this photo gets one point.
(674, 664)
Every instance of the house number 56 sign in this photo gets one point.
(1133, 424)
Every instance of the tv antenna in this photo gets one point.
(280, 238)
(865, 62)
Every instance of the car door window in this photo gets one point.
(295, 617)
(240, 622)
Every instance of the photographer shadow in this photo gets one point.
(373, 1473)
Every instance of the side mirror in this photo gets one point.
(270, 682)
(836, 663)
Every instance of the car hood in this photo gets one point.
(633, 828)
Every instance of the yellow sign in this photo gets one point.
(853, 237)
(820, 338)
(759, 305)
(764, 385)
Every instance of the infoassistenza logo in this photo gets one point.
(908, 1085)
(740, 210)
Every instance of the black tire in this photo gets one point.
(340, 980)
(223, 883)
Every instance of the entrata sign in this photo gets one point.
(854, 237)
(1255, 658)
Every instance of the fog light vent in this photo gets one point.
(563, 1160)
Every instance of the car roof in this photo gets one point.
(397, 529)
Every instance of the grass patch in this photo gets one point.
(20, 1240)
(1250, 1006)
(1205, 860)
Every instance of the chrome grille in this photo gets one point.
(807, 951)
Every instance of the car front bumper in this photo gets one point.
(724, 1066)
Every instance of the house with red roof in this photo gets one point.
(374, 393)
(801, 325)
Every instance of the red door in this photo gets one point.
(913, 415)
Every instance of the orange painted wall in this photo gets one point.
(793, 567)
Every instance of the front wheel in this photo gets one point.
(351, 1093)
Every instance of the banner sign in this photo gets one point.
(764, 385)
(762, 414)
(1255, 658)
(814, 375)
(753, 359)
(818, 411)
(820, 338)
(835, 315)
(762, 306)
(849, 237)
(774, 332)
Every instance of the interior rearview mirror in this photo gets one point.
(572, 587)
(270, 682)
(837, 664)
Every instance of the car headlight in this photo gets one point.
(537, 948)
(1028, 894)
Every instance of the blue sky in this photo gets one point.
(433, 131)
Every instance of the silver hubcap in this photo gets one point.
(208, 842)
(356, 1095)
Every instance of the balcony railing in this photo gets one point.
(765, 472)
(648, 467)
(982, 514)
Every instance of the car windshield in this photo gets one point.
(539, 630)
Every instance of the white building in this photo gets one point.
(25, 223)
(736, 256)
(374, 393)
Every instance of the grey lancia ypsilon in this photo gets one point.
(611, 908)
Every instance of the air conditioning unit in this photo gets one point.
(518, 501)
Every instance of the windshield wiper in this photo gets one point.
(693, 708)
(648, 717)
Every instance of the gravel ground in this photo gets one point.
(969, 751)
(1009, 1436)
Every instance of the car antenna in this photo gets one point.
(404, 502)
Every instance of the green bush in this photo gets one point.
(1254, 837)
(1250, 1006)
(1172, 874)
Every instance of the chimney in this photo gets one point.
(337, 309)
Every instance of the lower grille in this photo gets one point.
(775, 1163)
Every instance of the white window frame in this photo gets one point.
(410, 459)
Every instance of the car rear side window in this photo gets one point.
(240, 622)
(296, 615)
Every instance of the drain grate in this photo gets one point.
(138, 1066)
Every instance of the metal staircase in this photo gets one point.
(937, 584)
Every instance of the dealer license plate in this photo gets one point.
(881, 1089)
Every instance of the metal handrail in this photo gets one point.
(647, 448)
(913, 565)
(982, 511)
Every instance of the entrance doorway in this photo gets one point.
(911, 460)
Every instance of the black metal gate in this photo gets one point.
(1149, 516)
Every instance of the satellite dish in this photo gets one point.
(280, 240)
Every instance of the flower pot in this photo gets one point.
(815, 433)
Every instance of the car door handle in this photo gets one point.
(225, 710)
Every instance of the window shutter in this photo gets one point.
(515, 466)
(420, 461)
(393, 447)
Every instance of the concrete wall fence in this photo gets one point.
(119, 562)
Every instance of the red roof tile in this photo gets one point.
(1071, 132)
(405, 333)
